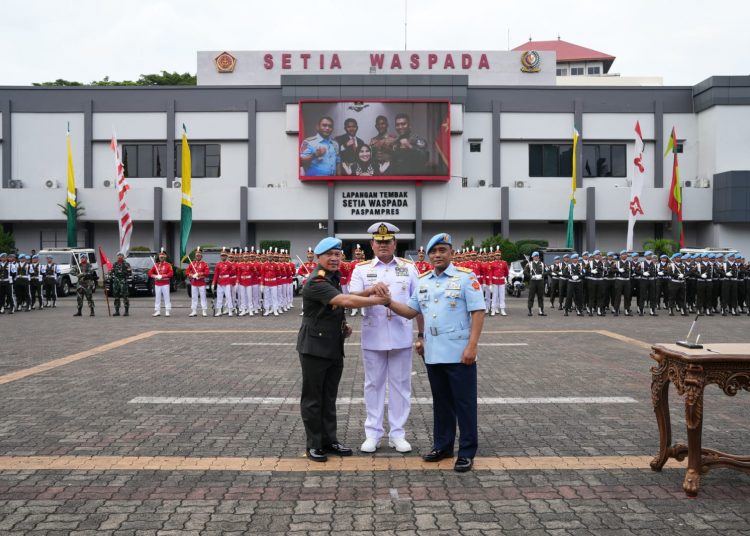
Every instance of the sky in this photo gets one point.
(683, 41)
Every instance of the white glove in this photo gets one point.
(594, 271)
(729, 274)
(660, 273)
(681, 276)
(159, 277)
(574, 278)
(622, 270)
(704, 276)
(536, 277)
(646, 274)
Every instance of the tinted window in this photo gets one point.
(205, 160)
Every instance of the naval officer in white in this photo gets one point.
(386, 340)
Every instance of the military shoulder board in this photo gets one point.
(466, 270)
(428, 272)
(406, 260)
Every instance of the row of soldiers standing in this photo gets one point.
(703, 283)
(24, 283)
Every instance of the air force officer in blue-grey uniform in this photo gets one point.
(452, 303)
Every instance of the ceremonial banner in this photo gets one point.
(186, 208)
(71, 199)
(636, 185)
(124, 222)
(569, 241)
(675, 190)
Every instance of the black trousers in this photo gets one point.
(608, 293)
(21, 290)
(6, 295)
(715, 292)
(647, 294)
(729, 294)
(454, 400)
(554, 290)
(320, 386)
(623, 288)
(677, 294)
(662, 291)
(691, 292)
(703, 294)
(36, 292)
(575, 293)
(563, 285)
(593, 291)
(50, 291)
(536, 288)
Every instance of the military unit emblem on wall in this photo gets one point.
(225, 62)
(530, 60)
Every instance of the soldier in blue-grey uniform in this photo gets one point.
(451, 300)
(7, 273)
(386, 340)
(320, 155)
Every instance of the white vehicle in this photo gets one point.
(63, 257)
(514, 282)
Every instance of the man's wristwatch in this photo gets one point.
(420, 335)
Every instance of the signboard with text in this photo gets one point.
(373, 201)
(374, 140)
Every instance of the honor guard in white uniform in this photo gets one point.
(386, 340)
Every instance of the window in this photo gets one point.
(475, 146)
(562, 71)
(144, 160)
(556, 160)
(576, 71)
(604, 160)
(205, 160)
(594, 70)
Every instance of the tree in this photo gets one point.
(7, 241)
(165, 78)
(508, 248)
(661, 246)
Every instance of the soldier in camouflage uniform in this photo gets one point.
(86, 282)
(120, 275)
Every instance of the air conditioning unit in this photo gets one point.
(15, 183)
(51, 184)
(688, 184)
(176, 184)
(519, 184)
(108, 183)
(482, 182)
(702, 183)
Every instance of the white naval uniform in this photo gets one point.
(386, 345)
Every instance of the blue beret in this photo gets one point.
(597, 252)
(585, 253)
(634, 255)
(647, 253)
(730, 255)
(663, 256)
(440, 238)
(557, 257)
(677, 255)
(327, 244)
(34, 257)
(574, 256)
(610, 254)
(535, 254)
(623, 252)
(3, 254)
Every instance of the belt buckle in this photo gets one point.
(433, 331)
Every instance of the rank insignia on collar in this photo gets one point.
(321, 273)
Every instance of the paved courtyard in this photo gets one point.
(182, 425)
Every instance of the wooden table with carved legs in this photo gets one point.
(690, 371)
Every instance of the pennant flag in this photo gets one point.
(675, 190)
(104, 260)
(636, 185)
(186, 208)
(443, 141)
(71, 199)
(124, 222)
(570, 239)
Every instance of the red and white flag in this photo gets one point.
(636, 186)
(124, 222)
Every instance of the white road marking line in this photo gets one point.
(354, 400)
(358, 344)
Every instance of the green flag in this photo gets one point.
(186, 207)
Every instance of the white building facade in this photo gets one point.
(509, 130)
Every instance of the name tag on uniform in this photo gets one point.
(372, 275)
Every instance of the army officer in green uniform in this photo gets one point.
(320, 344)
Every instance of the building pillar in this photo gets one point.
(7, 143)
(418, 208)
(331, 207)
(658, 144)
(158, 215)
(88, 144)
(243, 217)
(505, 212)
(591, 218)
(90, 234)
(578, 125)
(251, 142)
(170, 143)
(496, 108)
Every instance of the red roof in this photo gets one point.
(567, 52)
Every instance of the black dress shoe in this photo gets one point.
(338, 448)
(463, 464)
(316, 455)
(436, 455)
